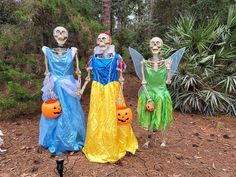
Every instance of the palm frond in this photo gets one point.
(191, 82)
(231, 20)
(206, 81)
(229, 84)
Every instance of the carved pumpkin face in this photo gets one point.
(150, 106)
(124, 115)
(51, 108)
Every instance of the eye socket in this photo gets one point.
(104, 39)
(57, 31)
(126, 113)
(118, 114)
(54, 107)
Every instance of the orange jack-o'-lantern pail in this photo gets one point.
(150, 106)
(51, 108)
(124, 115)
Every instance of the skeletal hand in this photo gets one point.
(150, 100)
(53, 95)
(144, 82)
(88, 78)
(119, 101)
(168, 81)
(78, 72)
(78, 93)
(121, 79)
(46, 73)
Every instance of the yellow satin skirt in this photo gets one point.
(106, 141)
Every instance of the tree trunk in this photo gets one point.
(151, 9)
(106, 13)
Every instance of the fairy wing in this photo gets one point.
(140, 90)
(175, 60)
(137, 58)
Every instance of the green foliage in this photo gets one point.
(6, 103)
(7, 73)
(208, 9)
(206, 81)
(10, 36)
(18, 92)
(142, 20)
(25, 12)
(6, 9)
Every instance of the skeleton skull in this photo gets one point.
(155, 44)
(103, 41)
(61, 35)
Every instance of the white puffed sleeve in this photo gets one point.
(74, 51)
(44, 48)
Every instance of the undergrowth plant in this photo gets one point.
(206, 81)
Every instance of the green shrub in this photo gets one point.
(206, 81)
(19, 92)
(7, 103)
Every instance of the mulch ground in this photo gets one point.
(197, 146)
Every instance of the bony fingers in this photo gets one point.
(168, 82)
(78, 93)
(87, 78)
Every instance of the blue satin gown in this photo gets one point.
(65, 133)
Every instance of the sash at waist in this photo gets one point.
(54, 82)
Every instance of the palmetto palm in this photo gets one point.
(206, 81)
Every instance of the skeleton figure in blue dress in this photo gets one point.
(65, 133)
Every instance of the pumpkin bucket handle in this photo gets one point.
(52, 94)
(120, 99)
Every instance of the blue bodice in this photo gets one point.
(60, 65)
(104, 69)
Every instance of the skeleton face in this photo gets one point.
(155, 44)
(103, 41)
(61, 35)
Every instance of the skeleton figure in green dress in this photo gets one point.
(154, 101)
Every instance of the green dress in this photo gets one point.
(156, 87)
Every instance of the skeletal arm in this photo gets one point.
(121, 79)
(168, 68)
(144, 82)
(46, 66)
(47, 74)
(87, 79)
(120, 69)
(78, 72)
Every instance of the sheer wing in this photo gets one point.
(137, 59)
(140, 90)
(175, 60)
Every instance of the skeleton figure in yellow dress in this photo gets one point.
(106, 140)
